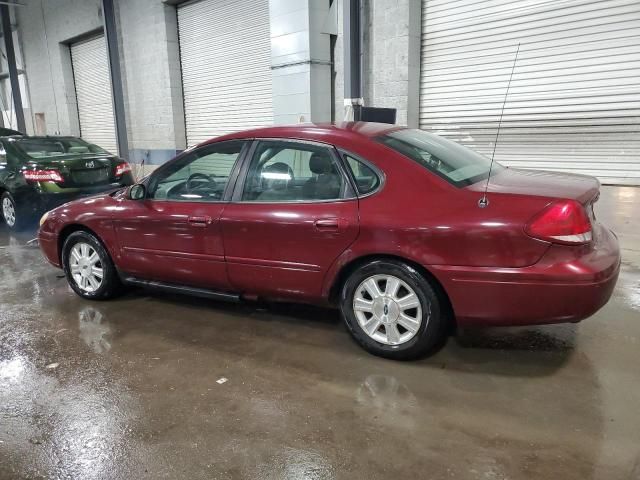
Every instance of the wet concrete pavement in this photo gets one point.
(128, 388)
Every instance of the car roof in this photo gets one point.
(324, 132)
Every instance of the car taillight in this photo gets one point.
(43, 176)
(122, 168)
(565, 221)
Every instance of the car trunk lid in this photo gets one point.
(581, 188)
(79, 170)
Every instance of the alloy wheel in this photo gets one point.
(8, 211)
(86, 267)
(387, 309)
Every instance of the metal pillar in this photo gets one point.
(352, 34)
(111, 37)
(13, 70)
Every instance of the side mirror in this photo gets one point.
(137, 192)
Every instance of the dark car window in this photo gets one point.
(56, 146)
(458, 165)
(284, 171)
(366, 179)
(199, 176)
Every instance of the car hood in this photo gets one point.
(582, 188)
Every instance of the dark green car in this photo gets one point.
(41, 173)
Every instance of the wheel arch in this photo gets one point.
(68, 230)
(354, 264)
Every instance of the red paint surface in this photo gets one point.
(491, 270)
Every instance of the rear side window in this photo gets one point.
(366, 178)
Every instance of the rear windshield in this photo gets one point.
(52, 147)
(449, 160)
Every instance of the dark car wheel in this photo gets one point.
(10, 212)
(392, 310)
(88, 267)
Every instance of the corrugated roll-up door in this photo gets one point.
(574, 102)
(225, 52)
(93, 92)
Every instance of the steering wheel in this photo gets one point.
(198, 181)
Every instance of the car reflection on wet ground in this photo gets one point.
(128, 388)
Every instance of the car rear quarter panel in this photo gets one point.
(423, 218)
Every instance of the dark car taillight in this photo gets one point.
(122, 168)
(565, 221)
(43, 176)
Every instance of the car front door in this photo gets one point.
(292, 214)
(174, 234)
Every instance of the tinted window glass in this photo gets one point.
(453, 162)
(51, 147)
(200, 176)
(290, 171)
(366, 179)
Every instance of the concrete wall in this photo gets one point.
(391, 63)
(150, 62)
(300, 60)
(301, 32)
(44, 27)
(149, 58)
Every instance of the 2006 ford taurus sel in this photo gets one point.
(383, 221)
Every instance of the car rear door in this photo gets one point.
(174, 234)
(292, 214)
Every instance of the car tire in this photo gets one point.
(83, 269)
(403, 319)
(10, 213)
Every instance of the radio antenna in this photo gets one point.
(484, 201)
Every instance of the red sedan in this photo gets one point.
(383, 221)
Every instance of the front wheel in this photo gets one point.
(88, 267)
(392, 310)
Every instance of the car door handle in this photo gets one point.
(330, 224)
(200, 221)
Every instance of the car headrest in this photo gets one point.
(277, 176)
(79, 149)
(320, 164)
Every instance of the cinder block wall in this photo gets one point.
(47, 59)
(149, 61)
(152, 83)
(391, 58)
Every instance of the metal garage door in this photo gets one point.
(93, 91)
(574, 103)
(225, 51)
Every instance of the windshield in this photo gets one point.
(51, 147)
(449, 160)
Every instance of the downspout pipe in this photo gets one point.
(353, 65)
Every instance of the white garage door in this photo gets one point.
(225, 51)
(574, 102)
(93, 92)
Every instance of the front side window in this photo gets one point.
(458, 165)
(282, 171)
(200, 176)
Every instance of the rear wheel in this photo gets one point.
(392, 310)
(88, 267)
(10, 212)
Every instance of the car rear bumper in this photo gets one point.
(568, 284)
